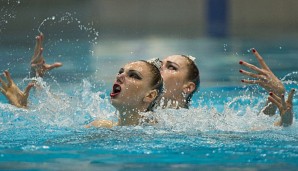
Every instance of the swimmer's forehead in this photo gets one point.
(138, 66)
(176, 59)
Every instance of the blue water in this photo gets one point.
(223, 129)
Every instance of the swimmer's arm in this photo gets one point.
(102, 124)
(285, 108)
(265, 78)
(14, 95)
(38, 64)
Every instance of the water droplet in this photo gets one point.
(53, 18)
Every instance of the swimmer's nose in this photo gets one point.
(120, 78)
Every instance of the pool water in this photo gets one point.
(223, 129)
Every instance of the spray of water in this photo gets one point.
(7, 12)
(69, 18)
(290, 78)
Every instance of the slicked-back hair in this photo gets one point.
(193, 75)
(156, 82)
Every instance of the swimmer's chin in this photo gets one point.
(116, 103)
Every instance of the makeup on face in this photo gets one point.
(124, 73)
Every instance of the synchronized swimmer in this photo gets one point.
(139, 86)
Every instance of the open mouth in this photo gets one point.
(116, 90)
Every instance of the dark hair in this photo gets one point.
(193, 75)
(156, 82)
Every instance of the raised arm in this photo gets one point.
(38, 64)
(265, 78)
(285, 108)
(11, 91)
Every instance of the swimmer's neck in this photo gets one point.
(166, 103)
(129, 118)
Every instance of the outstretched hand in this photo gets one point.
(264, 76)
(285, 107)
(37, 62)
(13, 93)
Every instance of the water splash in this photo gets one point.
(7, 12)
(238, 113)
(205, 119)
(45, 20)
(290, 78)
(69, 18)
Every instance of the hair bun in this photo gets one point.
(156, 62)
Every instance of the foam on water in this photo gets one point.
(241, 113)
(54, 125)
(221, 124)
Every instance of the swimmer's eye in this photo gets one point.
(171, 67)
(134, 75)
(121, 71)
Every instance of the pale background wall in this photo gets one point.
(186, 18)
(134, 29)
(263, 17)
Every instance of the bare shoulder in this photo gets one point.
(102, 123)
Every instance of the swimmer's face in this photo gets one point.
(131, 85)
(174, 72)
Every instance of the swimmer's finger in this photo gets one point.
(41, 38)
(36, 49)
(34, 65)
(279, 101)
(55, 65)
(253, 67)
(260, 59)
(283, 102)
(8, 77)
(251, 81)
(2, 91)
(275, 96)
(27, 89)
(274, 101)
(38, 58)
(39, 42)
(291, 95)
(39, 55)
(4, 85)
(250, 74)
